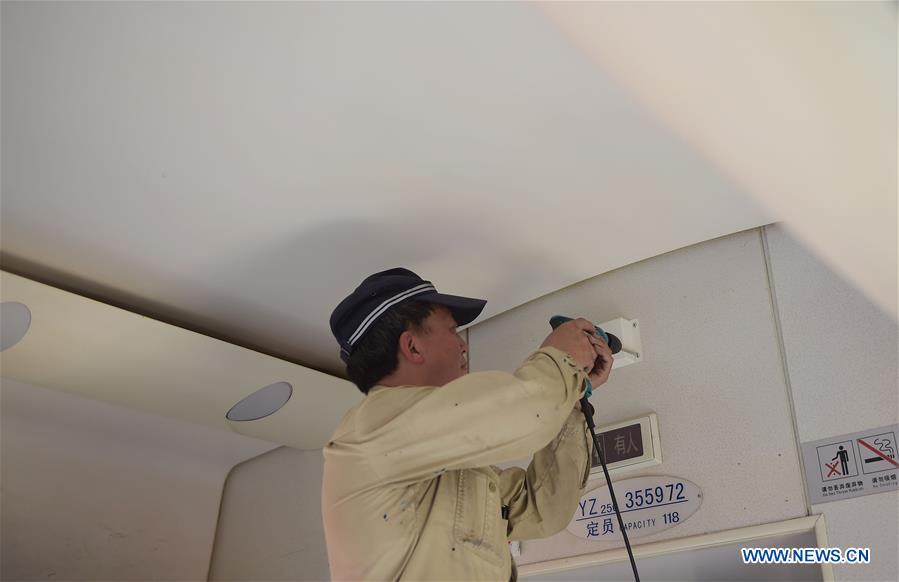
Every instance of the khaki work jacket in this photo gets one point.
(409, 491)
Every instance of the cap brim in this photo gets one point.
(464, 309)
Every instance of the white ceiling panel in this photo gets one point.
(237, 168)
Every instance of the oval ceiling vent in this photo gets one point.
(261, 403)
(15, 319)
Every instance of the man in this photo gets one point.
(409, 490)
(844, 460)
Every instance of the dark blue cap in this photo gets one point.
(382, 291)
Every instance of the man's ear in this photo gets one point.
(409, 349)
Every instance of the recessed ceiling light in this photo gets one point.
(15, 319)
(261, 403)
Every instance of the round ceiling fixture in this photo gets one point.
(261, 403)
(15, 319)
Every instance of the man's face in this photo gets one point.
(445, 352)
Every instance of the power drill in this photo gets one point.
(612, 341)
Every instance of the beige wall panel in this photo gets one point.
(94, 491)
(271, 525)
(711, 371)
(841, 353)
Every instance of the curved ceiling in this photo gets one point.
(236, 168)
(793, 101)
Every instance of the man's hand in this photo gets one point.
(599, 374)
(570, 337)
(601, 369)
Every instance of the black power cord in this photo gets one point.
(615, 346)
(587, 409)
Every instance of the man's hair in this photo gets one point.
(376, 354)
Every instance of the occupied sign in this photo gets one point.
(648, 505)
(620, 444)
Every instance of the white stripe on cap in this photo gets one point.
(380, 309)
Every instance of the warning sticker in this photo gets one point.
(878, 452)
(851, 465)
(837, 461)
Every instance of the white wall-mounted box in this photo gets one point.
(628, 331)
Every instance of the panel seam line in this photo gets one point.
(781, 345)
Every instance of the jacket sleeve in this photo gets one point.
(480, 419)
(542, 499)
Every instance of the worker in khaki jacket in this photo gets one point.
(409, 490)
